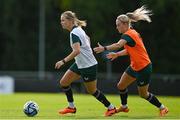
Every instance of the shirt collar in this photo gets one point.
(74, 27)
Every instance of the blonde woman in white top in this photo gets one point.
(85, 65)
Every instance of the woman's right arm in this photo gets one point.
(72, 55)
(114, 46)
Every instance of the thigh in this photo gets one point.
(125, 81)
(69, 77)
(91, 86)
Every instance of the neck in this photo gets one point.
(70, 27)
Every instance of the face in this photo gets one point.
(65, 23)
(121, 27)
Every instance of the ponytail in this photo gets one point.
(80, 22)
(140, 14)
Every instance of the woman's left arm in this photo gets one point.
(113, 55)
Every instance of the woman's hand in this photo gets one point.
(112, 56)
(99, 49)
(59, 64)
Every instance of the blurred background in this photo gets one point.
(32, 41)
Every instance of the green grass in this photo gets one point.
(11, 107)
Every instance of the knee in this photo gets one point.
(121, 86)
(63, 83)
(91, 91)
(143, 95)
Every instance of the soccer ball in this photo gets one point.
(31, 108)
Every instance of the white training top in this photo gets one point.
(86, 58)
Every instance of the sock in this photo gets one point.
(99, 96)
(124, 106)
(68, 93)
(161, 107)
(110, 107)
(124, 96)
(71, 105)
(153, 100)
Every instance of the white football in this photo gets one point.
(31, 108)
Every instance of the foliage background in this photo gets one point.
(19, 32)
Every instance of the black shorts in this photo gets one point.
(143, 76)
(87, 74)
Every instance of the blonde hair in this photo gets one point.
(72, 16)
(141, 13)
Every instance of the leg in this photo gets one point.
(124, 82)
(92, 89)
(143, 81)
(71, 75)
(65, 82)
(89, 76)
(68, 78)
(143, 92)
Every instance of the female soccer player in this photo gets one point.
(140, 67)
(85, 65)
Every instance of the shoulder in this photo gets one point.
(76, 31)
(126, 37)
(75, 38)
(129, 39)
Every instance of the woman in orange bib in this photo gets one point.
(140, 68)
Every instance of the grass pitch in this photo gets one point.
(11, 107)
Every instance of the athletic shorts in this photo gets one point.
(143, 76)
(87, 74)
